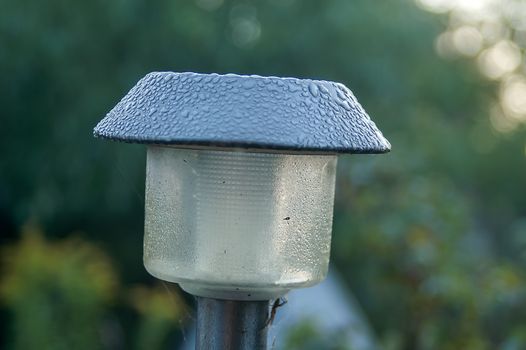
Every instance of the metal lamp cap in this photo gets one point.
(250, 112)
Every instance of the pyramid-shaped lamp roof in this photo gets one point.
(250, 112)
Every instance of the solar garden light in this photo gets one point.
(239, 187)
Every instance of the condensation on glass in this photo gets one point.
(238, 225)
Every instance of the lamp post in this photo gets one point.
(239, 187)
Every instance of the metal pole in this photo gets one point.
(231, 324)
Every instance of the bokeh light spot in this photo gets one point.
(467, 40)
(500, 59)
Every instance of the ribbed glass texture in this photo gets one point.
(238, 225)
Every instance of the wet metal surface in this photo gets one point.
(228, 324)
(270, 113)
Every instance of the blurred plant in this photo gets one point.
(306, 336)
(62, 295)
(493, 32)
(57, 292)
(427, 275)
(160, 308)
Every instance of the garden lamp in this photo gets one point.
(240, 180)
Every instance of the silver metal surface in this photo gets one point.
(230, 324)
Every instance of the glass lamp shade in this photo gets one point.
(238, 225)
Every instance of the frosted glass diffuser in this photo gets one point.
(238, 225)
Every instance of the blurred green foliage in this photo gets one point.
(57, 292)
(62, 294)
(430, 238)
(161, 309)
(306, 336)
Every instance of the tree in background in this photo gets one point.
(66, 295)
(493, 33)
